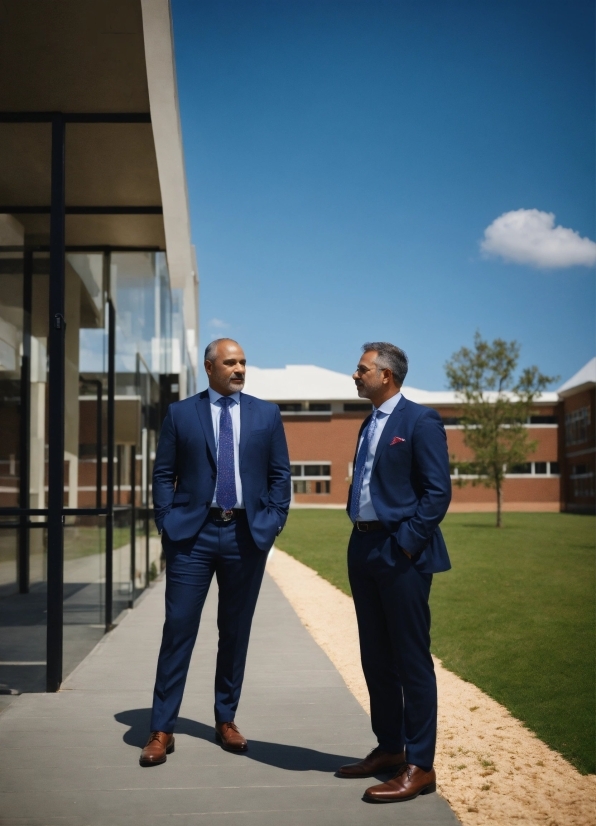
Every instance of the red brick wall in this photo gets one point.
(326, 438)
(333, 439)
(547, 449)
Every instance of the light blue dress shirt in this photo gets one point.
(215, 417)
(367, 511)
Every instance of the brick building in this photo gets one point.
(322, 415)
(578, 400)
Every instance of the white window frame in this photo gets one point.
(325, 478)
(304, 478)
(532, 475)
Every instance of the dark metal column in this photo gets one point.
(25, 425)
(133, 521)
(110, 468)
(56, 411)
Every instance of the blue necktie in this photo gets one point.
(358, 477)
(226, 474)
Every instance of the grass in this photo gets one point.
(86, 540)
(515, 615)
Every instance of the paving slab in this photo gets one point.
(72, 758)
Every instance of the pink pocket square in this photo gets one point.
(396, 440)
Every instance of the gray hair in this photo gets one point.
(211, 348)
(389, 357)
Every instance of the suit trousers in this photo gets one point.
(391, 601)
(227, 550)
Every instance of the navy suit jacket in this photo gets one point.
(410, 484)
(185, 469)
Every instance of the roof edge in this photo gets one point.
(578, 388)
(167, 135)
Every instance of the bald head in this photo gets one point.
(225, 365)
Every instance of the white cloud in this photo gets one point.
(217, 324)
(529, 236)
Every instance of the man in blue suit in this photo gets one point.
(400, 492)
(221, 492)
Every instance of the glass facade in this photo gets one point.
(126, 358)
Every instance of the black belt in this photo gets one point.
(222, 515)
(365, 527)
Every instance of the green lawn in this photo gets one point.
(86, 540)
(515, 615)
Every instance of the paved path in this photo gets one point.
(71, 758)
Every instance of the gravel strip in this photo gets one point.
(491, 769)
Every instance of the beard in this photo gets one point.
(236, 383)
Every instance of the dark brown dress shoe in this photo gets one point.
(229, 738)
(159, 745)
(375, 762)
(408, 783)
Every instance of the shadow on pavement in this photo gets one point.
(291, 758)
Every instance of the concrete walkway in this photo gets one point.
(72, 758)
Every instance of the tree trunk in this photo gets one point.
(499, 504)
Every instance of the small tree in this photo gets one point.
(496, 409)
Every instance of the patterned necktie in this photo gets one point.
(358, 477)
(226, 474)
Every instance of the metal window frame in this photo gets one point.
(55, 511)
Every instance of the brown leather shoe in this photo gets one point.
(408, 783)
(375, 762)
(229, 738)
(158, 746)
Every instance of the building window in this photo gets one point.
(316, 470)
(357, 407)
(292, 407)
(311, 478)
(577, 426)
(525, 469)
(456, 421)
(308, 486)
(535, 469)
(319, 407)
(582, 481)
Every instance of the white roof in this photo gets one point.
(298, 382)
(307, 382)
(584, 378)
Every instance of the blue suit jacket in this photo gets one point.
(185, 470)
(410, 484)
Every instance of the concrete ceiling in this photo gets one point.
(79, 56)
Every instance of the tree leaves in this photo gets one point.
(496, 408)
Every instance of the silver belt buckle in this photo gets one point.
(360, 527)
(226, 515)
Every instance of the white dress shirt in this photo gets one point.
(367, 512)
(215, 417)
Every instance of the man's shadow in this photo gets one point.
(291, 758)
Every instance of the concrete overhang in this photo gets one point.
(165, 118)
(98, 56)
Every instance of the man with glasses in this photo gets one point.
(400, 492)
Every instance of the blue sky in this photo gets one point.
(345, 158)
